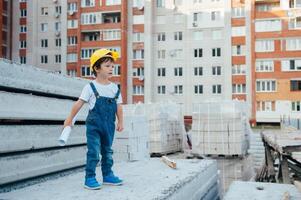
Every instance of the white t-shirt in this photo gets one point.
(108, 90)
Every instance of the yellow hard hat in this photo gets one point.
(100, 53)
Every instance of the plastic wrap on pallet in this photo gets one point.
(220, 128)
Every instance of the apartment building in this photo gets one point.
(38, 33)
(190, 61)
(5, 29)
(275, 59)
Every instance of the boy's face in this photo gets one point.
(105, 70)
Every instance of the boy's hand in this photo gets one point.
(119, 127)
(67, 122)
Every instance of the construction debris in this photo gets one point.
(169, 162)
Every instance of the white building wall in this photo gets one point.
(188, 61)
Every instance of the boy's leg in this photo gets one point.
(106, 150)
(93, 145)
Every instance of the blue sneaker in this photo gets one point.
(112, 180)
(92, 184)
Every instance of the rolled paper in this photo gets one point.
(64, 136)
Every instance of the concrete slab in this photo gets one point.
(256, 190)
(152, 179)
(35, 79)
(30, 107)
(29, 137)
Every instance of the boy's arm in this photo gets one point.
(75, 108)
(119, 118)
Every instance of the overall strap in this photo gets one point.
(94, 90)
(117, 94)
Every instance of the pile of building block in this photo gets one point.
(165, 125)
(132, 143)
(219, 128)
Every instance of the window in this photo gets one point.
(215, 15)
(22, 44)
(111, 34)
(23, 12)
(138, 3)
(291, 65)
(238, 31)
(293, 44)
(44, 43)
(160, 36)
(23, 29)
(138, 72)
(88, 3)
(86, 53)
(23, 59)
(58, 9)
(238, 12)
(116, 70)
(265, 85)
(138, 54)
(57, 26)
(72, 7)
(72, 24)
(216, 70)
(265, 106)
(197, 17)
(264, 45)
(178, 35)
(160, 3)
(198, 71)
(295, 85)
(238, 69)
(72, 40)
(198, 53)
(268, 25)
(216, 52)
(216, 89)
(161, 72)
(296, 106)
(178, 71)
(88, 18)
(138, 19)
(198, 89)
(161, 89)
(58, 42)
(86, 72)
(198, 35)
(238, 88)
(161, 54)
(113, 2)
(264, 66)
(71, 72)
(138, 37)
(44, 59)
(295, 23)
(71, 57)
(216, 34)
(197, 1)
(44, 27)
(58, 58)
(295, 3)
(138, 90)
(178, 89)
(44, 11)
(176, 53)
(238, 50)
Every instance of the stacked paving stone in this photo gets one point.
(132, 143)
(165, 125)
(220, 128)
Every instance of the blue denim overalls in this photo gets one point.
(100, 133)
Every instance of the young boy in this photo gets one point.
(104, 100)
